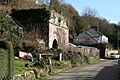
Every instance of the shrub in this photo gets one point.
(86, 59)
(74, 58)
(40, 64)
(3, 65)
(56, 53)
(6, 60)
(58, 64)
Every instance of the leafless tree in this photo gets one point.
(89, 12)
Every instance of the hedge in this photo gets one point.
(6, 60)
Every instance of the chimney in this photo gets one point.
(96, 27)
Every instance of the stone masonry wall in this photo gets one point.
(58, 29)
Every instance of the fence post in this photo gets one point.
(60, 57)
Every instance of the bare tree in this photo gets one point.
(89, 12)
(89, 15)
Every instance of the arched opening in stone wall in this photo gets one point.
(55, 44)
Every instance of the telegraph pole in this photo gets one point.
(118, 39)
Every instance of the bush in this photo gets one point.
(56, 53)
(3, 65)
(74, 58)
(77, 59)
(58, 64)
(40, 64)
(6, 60)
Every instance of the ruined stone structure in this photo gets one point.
(51, 26)
(58, 30)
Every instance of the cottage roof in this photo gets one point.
(92, 35)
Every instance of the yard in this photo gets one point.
(42, 70)
(22, 66)
(19, 66)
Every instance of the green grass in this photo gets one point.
(19, 66)
(57, 66)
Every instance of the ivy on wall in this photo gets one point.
(32, 15)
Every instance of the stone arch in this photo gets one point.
(55, 44)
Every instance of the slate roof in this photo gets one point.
(92, 35)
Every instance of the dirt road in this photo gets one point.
(104, 70)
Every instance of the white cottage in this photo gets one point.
(92, 36)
